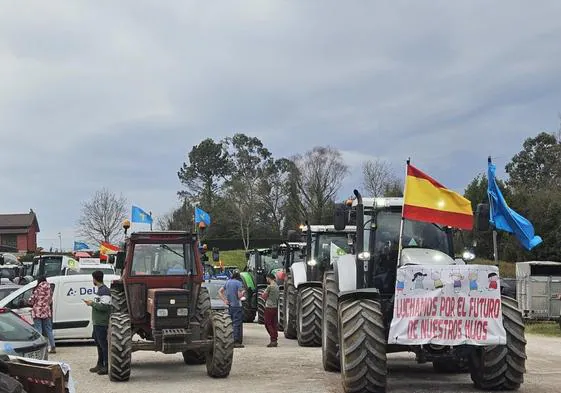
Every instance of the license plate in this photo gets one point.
(34, 355)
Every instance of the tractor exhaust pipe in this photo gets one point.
(359, 247)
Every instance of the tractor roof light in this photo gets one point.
(364, 256)
(312, 262)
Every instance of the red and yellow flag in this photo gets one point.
(105, 248)
(427, 200)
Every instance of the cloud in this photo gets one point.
(115, 94)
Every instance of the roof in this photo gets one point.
(18, 221)
(328, 228)
(380, 202)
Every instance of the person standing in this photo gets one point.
(41, 302)
(232, 294)
(271, 297)
(101, 311)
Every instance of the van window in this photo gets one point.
(25, 296)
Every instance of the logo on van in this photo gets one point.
(81, 291)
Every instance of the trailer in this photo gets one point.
(538, 286)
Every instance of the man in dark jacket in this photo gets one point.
(101, 310)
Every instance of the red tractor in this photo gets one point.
(159, 299)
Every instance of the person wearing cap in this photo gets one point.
(232, 294)
(271, 297)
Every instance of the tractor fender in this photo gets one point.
(299, 273)
(248, 280)
(310, 284)
(366, 293)
(345, 273)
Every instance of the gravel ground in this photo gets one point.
(289, 368)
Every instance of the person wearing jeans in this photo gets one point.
(232, 294)
(101, 311)
(41, 302)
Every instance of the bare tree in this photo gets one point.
(317, 177)
(379, 178)
(102, 216)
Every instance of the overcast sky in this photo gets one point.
(115, 94)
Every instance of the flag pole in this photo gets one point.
(402, 219)
(495, 245)
(150, 214)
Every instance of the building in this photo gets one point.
(18, 232)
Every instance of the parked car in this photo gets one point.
(19, 338)
(213, 287)
(7, 288)
(72, 319)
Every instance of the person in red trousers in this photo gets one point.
(271, 297)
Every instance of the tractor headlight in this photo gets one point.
(162, 312)
(312, 262)
(468, 255)
(364, 256)
(182, 312)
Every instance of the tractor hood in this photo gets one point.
(424, 256)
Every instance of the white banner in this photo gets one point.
(447, 305)
(335, 252)
(89, 261)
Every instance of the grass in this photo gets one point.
(234, 258)
(550, 329)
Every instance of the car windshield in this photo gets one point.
(327, 241)
(416, 234)
(161, 259)
(53, 266)
(89, 270)
(213, 288)
(13, 328)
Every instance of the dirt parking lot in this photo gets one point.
(290, 368)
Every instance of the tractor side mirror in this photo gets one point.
(340, 219)
(215, 254)
(482, 217)
(275, 252)
(120, 260)
(1, 259)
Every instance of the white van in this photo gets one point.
(72, 318)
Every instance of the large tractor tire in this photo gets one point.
(290, 331)
(309, 317)
(281, 311)
(118, 300)
(329, 328)
(120, 347)
(202, 316)
(260, 307)
(362, 345)
(248, 312)
(220, 355)
(502, 367)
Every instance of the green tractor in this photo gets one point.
(260, 262)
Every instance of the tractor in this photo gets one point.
(359, 299)
(291, 252)
(302, 298)
(160, 298)
(260, 263)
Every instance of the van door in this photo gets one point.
(73, 316)
(20, 304)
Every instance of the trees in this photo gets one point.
(102, 216)
(208, 166)
(379, 179)
(317, 176)
(273, 192)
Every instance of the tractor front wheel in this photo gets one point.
(289, 305)
(309, 317)
(362, 343)
(120, 347)
(330, 329)
(260, 307)
(220, 354)
(202, 315)
(502, 367)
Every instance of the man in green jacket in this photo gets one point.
(101, 310)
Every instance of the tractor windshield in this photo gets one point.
(415, 234)
(162, 259)
(326, 242)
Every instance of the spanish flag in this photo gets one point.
(105, 248)
(427, 200)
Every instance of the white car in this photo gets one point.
(71, 316)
